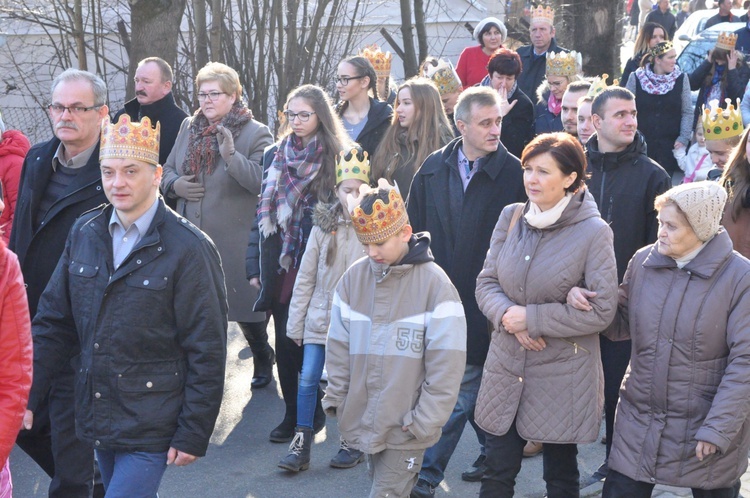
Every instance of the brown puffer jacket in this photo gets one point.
(555, 395)
(689, 369)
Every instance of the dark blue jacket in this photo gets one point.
(461, 223)
(147, 340)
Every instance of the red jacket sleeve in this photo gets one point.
(16, 351)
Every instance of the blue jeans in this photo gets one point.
(309, 381)
(436, 458)
(131, 474)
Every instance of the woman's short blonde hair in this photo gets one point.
(228, 79)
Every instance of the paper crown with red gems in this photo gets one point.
(386, 218)
(130, 140)
(719, 123)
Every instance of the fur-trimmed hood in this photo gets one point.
(328, 216)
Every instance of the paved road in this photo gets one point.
(241, 462)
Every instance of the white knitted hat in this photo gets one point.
(703, 205)
(492, 21)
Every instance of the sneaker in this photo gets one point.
(422, 489)
(347, 457)
(475, 473)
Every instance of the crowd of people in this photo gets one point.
(498, 244)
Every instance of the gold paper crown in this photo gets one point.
(600, 85)
(380, 60)
(352, 168)
(128, 140)
(543, 14)
(563, 64)
(386, 219)
(661, 48)
(719, 124)
(444, 76)
(727, 41)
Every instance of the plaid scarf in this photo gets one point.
(285, 194)
(203, 146)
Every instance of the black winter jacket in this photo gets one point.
(147, 341)
(624, 185)
(736, 82)
(461, 223)
(166, 112)
(534, 68)
(39, 249)
(262, 255)
(378, 121)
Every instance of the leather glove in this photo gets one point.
(226, 143)
(186, 188)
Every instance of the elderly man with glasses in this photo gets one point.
(60, 181)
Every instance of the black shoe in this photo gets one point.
(319, 419)
(601, 472)
(284, 432)
(347, 457)
(476, 472)
(422, 489)
(263, 368)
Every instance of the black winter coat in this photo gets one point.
(624, 185)
(378, 121)
(39, 249)
(518, 125)
(166, 112)
(534, 69)
(736, 82)
(147, 340)
(262, 255)
(461, 223)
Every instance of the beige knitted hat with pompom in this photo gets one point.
(703, 205)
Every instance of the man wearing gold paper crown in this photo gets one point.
(137, 302)
(60, 180)
(534, 56)
(722, 129)
(396, 345)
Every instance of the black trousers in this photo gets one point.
(288, 362)
(504, 455)
(52, 442)
(615, 359)
(617, 485)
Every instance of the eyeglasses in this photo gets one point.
(303, 116)
(58, 109)
(344, 80)
(212, 96)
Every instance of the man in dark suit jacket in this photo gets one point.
(59, 182)
(662, 15)
(153, 99)
(534, 56)
(457, 195)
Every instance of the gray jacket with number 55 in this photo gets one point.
(396, 352)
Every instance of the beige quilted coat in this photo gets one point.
(555, 395)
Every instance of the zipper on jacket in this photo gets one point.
(575, 346)
(609, 209)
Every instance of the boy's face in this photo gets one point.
(392, 250)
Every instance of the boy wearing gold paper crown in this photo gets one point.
(722, 129)
(331, 249)
(138, 301)
(396, 347)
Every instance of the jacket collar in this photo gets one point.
(153, 110)
(606, 161)
(705, 264)
(492, 164)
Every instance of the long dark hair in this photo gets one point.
(736, 176)
(330, 132)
